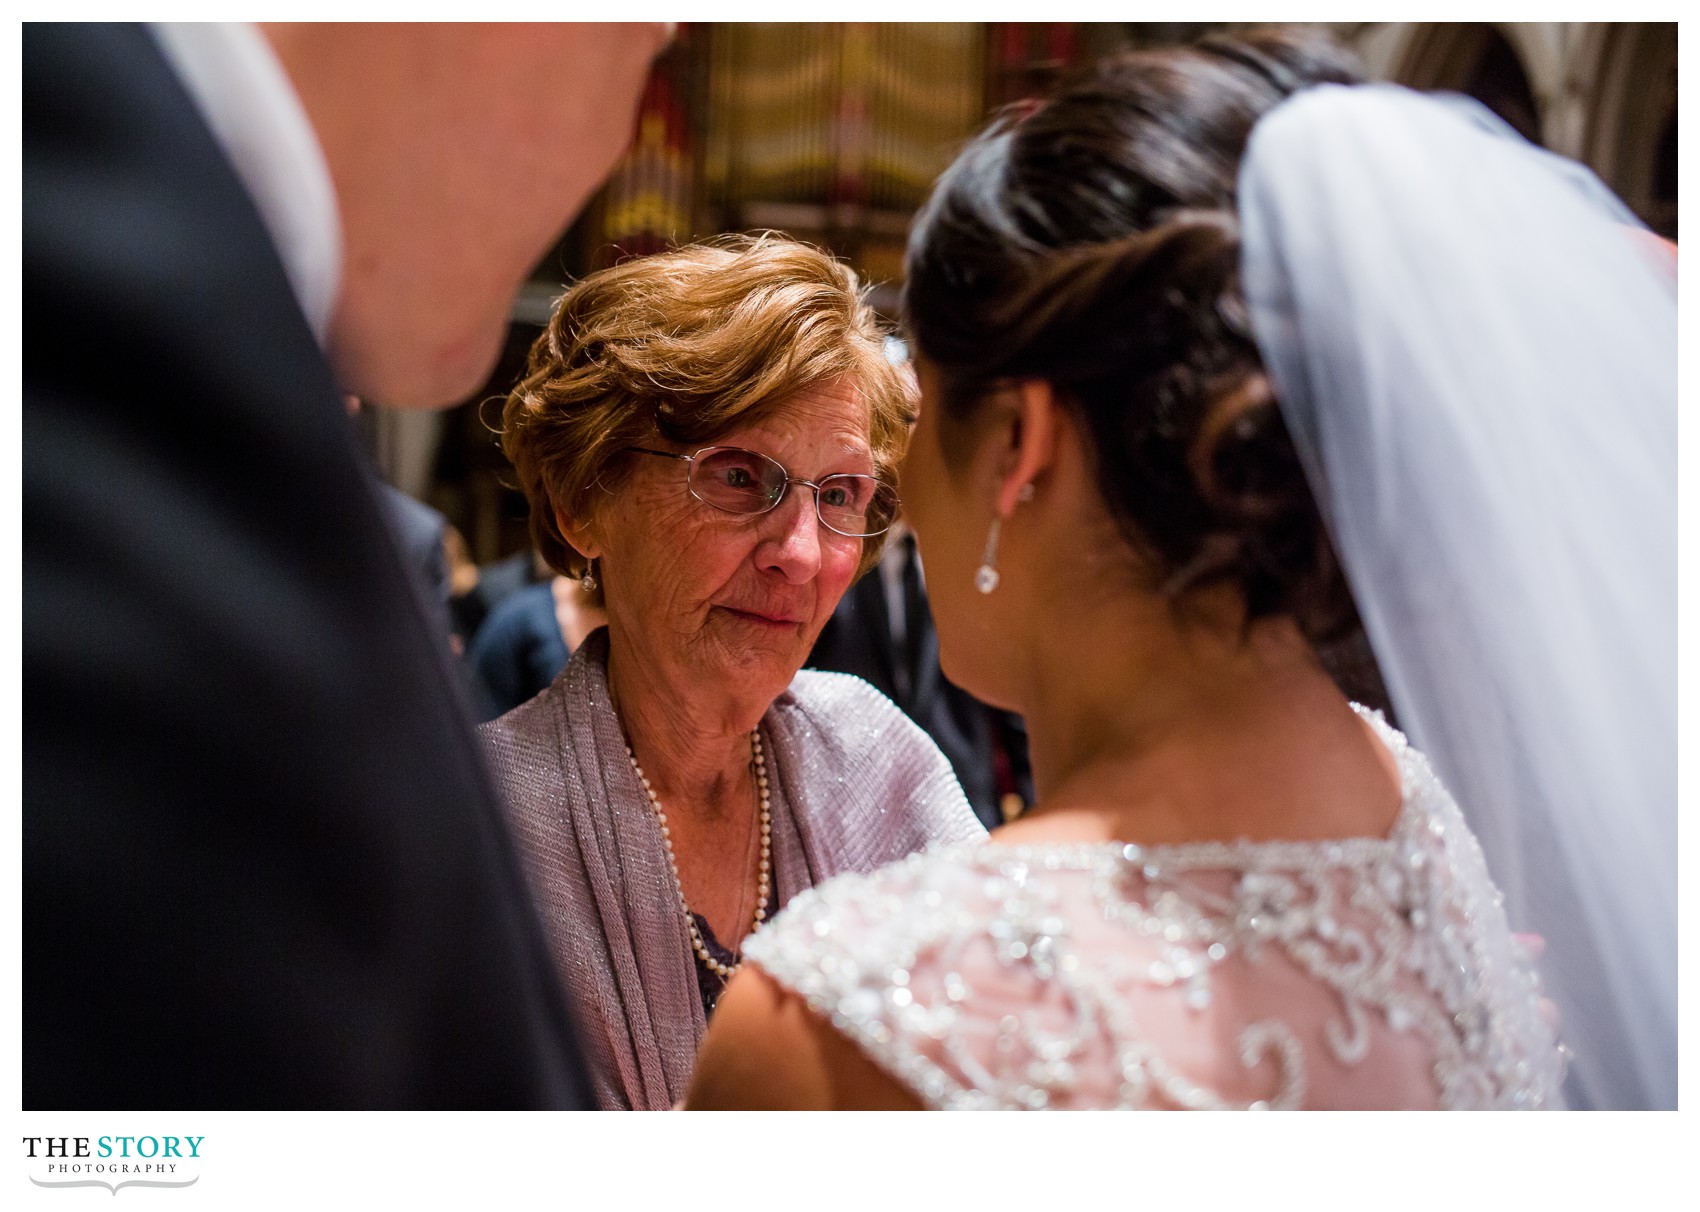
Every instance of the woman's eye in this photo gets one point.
(739, 477)
(836, 496)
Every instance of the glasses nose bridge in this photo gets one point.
(785, 491)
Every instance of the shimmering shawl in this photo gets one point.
(858, 785)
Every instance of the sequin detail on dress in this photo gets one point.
(1361, 972)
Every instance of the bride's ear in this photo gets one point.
(1032, 443)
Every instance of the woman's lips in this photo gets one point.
(756, 616)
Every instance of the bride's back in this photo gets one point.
(1364, 973)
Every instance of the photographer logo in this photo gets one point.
(113, 1162)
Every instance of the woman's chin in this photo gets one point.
(761, 648)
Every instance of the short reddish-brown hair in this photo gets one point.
(689, 344)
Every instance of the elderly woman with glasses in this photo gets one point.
(707, 439)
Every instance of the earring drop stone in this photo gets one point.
(986, 577)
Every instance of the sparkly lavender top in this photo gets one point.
(857, 785)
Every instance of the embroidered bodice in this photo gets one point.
(1364, 972)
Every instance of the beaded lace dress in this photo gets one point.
(1364, 972)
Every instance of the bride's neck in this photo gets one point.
(1182, 727)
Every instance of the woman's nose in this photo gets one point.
(791, 537)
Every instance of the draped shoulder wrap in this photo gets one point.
(857, 785)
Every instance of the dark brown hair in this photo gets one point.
(1093, 243)
(689, 344)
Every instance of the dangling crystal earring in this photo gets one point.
(587, 578)
(986, 576)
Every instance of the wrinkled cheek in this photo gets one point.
(838, 570)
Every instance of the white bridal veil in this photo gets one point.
(1475, 351)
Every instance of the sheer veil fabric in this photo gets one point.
(1475, 352)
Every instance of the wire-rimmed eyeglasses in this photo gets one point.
(735, 480)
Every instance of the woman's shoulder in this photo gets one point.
(539, 723)
(1097, 975)
(838, 720)
(863, 772)
(825, 694)
(899, 959)
(527, 737)
(867, 915)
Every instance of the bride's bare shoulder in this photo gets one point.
(766, 1050)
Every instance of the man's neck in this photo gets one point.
(248, 102)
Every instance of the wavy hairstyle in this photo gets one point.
(1093, 243)
(690, 344)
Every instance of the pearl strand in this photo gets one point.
(764, 871)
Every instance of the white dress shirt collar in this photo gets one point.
(247, 100)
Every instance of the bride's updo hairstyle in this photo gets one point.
(1093, 243)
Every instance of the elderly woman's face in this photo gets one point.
(730, 600)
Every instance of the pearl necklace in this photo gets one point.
(763, 871)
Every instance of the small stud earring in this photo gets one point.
(587, 578)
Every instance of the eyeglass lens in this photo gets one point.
(742, 481)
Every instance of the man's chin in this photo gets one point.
(396, 373)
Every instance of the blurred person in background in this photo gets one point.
(707, 440)
(1207, 334)
(423, 534)
(262, 864)
(479, 588)
(526, 641)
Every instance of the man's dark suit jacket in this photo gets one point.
(419, 529)
(857, 639)
(262, 862)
